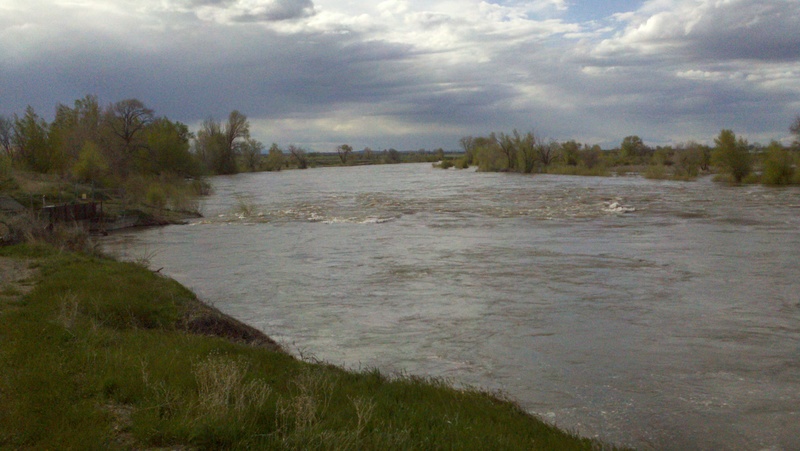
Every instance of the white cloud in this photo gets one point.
(418, 73)
(758, 30)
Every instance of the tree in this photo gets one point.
(688, 159)
(468, 144)
(126, 121)
(217, 144)
(6, 134)
(343, 151)
(235, 129)
(392, 156)
(209, 144)
(570, 150)
(127, 118)
(547, 153)
(487, 154)
(166, 149)
(795, 129)
(299, 156)
(368, 154)
(506, 145)
(778, 166)
(91, 165)
(632, 148)
(591, 156)
(526, 151)
(72, 127)
(731, 155)
(31, 140)
(275, 158)
(251, 151)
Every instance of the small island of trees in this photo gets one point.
(732, 159)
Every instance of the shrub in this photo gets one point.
(778, 166)
(732, 156)
(156, 196)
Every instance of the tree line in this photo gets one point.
(731, 158)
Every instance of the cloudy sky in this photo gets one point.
(415, 74)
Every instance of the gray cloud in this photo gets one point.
(417, 76)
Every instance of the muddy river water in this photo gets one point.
(661, 315)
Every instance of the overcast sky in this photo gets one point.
(415, 74)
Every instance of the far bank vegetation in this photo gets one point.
(732, 158)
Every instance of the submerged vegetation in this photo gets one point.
(102, 354)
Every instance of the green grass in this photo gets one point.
(99, 356)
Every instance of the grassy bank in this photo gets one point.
(101, 354)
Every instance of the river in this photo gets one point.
(655, 314)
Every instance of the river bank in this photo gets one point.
(99, 353)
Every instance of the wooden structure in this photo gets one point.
(89, 214)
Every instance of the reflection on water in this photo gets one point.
(656, 314)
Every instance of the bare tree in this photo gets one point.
(795, 129)
(252, 153)
(127, 118)
(547, 152)
(343, 151)
(300, 156)
(506, 145)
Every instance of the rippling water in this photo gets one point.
(647, 313)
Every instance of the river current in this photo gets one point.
(654, 314)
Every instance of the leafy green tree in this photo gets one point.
(91, 165)
(209, 144)
(73, 127)
(570, 152)
(632, 148)
(343, 151)
(30, 138)
(236, 130)
(217, 145)
(251, 151)
(275, 158)
(526, 151)
(688, 159)
(732, 155)
(488, 155)
(778, 165)
(166, 149)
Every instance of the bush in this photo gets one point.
(778, 166)
(445, 164)
(156, 196)
(732, 156)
